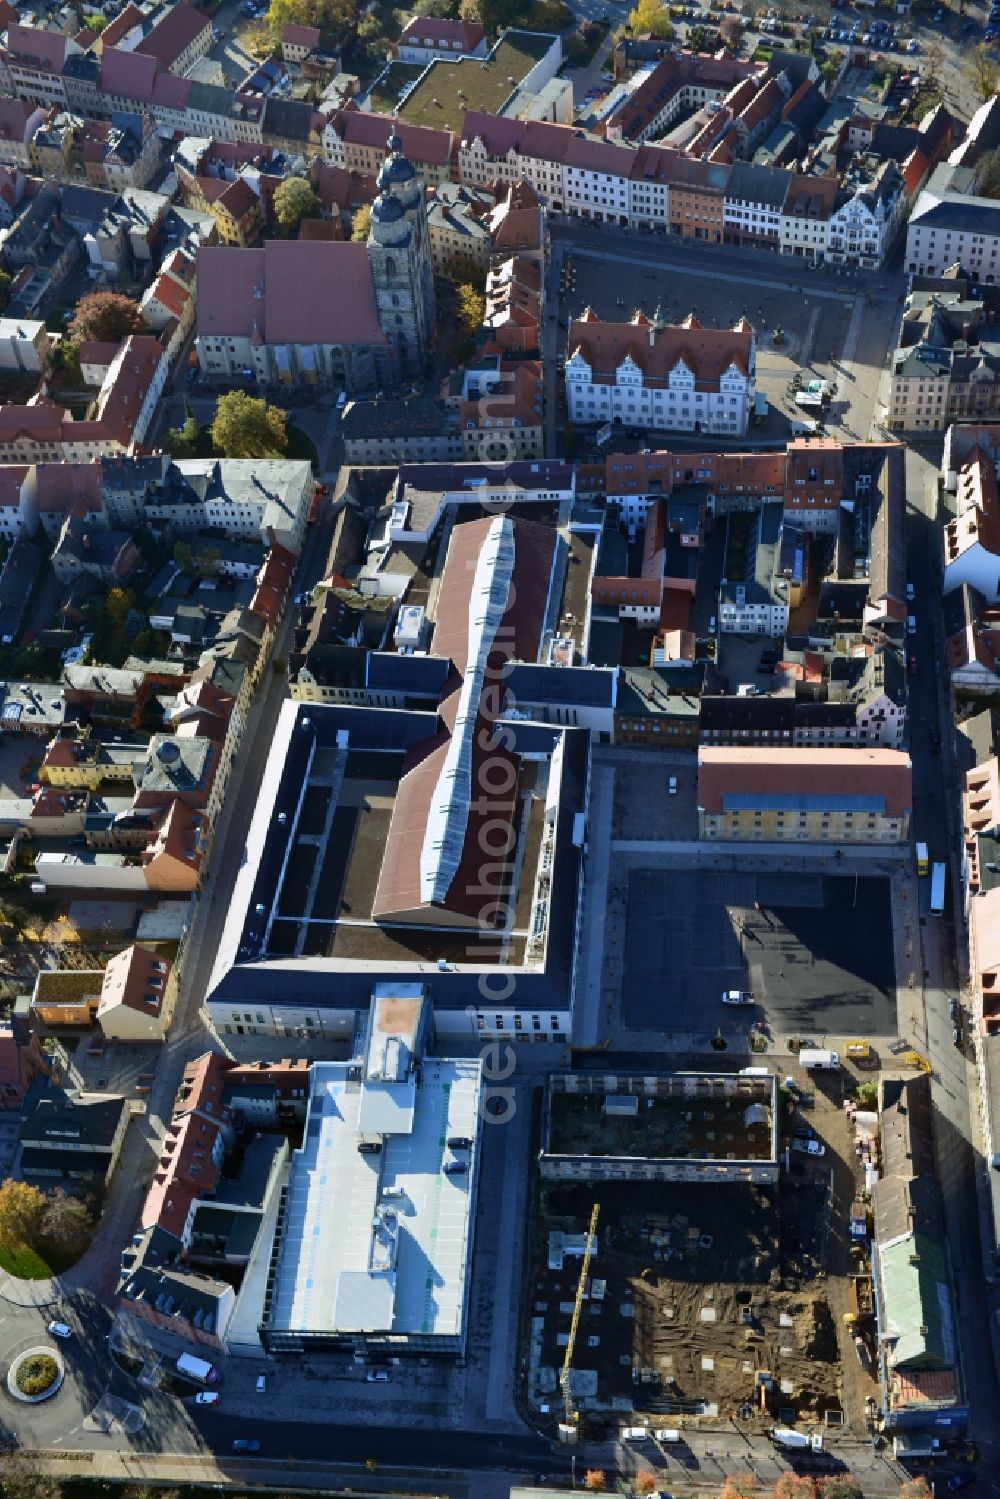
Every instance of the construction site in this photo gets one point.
(719, 1300)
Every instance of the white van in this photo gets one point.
(911, 624)
(634, 1433)
(755, 1072)
(667, 1434)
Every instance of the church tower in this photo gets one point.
(399, 254)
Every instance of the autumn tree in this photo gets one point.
(107, 317)
(66, 1225)
(22, 1480)
(361, 224)
(794, 1486)
(22, 1208)
(336, 16)
(645, 1483)
(731, 29)
(840, 1486)
(595, 1481)
(294, 200)
(245, 427)
(739, 1486)
(117, 605)
(5, 285)
(984, 73)
(471, 10)
(915, 1488)
(650, 18)
(471, 308)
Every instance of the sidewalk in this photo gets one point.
(261, 1473)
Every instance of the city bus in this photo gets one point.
(923, 861)
(937, 889)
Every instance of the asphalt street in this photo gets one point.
(953, 1080)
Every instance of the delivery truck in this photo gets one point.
(198, 1369)
(938, 876)
(797, 1441)
(815, 1060)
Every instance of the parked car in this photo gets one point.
(672, 785)
(805, 1132)
(809, 1147)
(261, 1383)
(953, 1009)
(60, 1330)
(207, 1397)
(246, 1444)
(378, 1376)
(737, 997)
(913, 666)
(961, 1480)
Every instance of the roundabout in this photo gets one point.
(36, 1375)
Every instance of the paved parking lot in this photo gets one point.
(691, 934)
(644, 805)
(15, 752)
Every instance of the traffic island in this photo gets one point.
(36, 1375)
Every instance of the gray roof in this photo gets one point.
(289, 118)
(766, 185)
(410, 416)
(955, 212)
(59, 1118)
(178, 764)
(584, 685)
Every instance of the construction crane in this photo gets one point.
(571, 1412)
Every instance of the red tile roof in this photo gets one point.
(129, 74)
(421, 143)
(441, 32)
(94, 351)
(707, 352)
(174, 34)
(424, 781)
(12, 476)
(769, 772)
(33, 46)
(314, 292)
(121, 25)
(171, 295)
(14, 117)
(301, 36)
(121, 400)
(136, 977)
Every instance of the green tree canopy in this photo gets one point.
(246, 427)
(294, 200)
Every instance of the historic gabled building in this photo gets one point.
(647, 375)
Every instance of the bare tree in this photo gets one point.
(66, 1224)
(22, 1480)
(984, 73)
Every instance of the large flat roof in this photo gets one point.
(352, 1260)
(449, 87)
